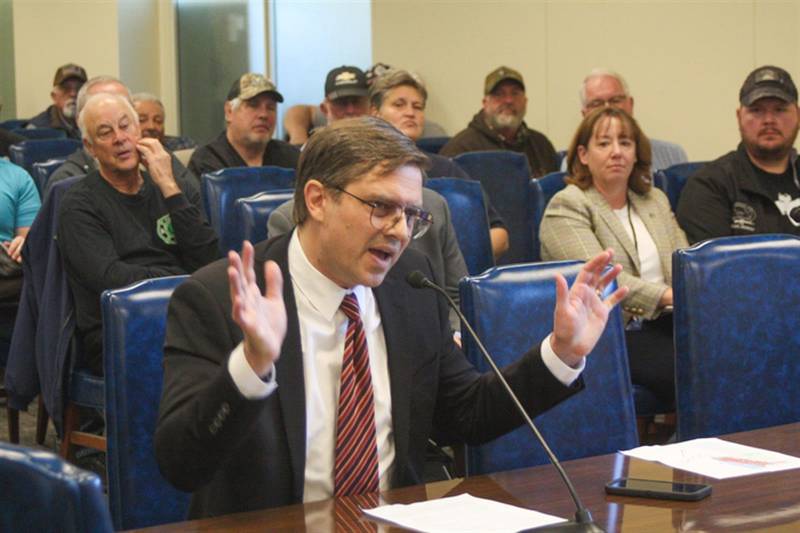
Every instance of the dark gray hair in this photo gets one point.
(346, 150)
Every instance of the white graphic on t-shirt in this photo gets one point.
(786, 205)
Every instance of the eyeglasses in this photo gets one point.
(384, 216)
(614, 101)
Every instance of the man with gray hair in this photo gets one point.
(151, 120)
(251, 110)
(607, 88)
(81, 161)
(62, 113)
(120, 223)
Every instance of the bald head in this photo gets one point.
(101, 84)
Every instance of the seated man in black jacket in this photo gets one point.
(251, 110)
(120, 224)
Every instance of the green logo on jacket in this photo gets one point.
(165, 231)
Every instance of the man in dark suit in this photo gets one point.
(252, 413)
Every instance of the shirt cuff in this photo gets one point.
(246, 380)
(560, 370)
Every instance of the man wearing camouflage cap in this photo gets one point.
(754, 189)
(250, 114)
(500, 125)
(62, 113)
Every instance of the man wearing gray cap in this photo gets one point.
(499, 125)
(250, 114)
(754, 189)
(62, 113)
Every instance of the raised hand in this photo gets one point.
(261, 317)
(158, 163)
(581, 314)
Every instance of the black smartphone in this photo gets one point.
(650, 488)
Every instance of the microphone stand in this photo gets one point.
(583, 518)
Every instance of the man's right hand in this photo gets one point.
(262, 318)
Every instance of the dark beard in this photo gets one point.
(772, 154)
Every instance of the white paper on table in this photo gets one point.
(716, 458)
(463, 513)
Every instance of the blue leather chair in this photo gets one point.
(468, 215)
(432, 145)
(134, 321)
(506, 178)
(671, 180)
(737, 334)
(43, 493)
(26, 153)
(222, 188)
(43, 170)
(41, 133)
(511, 309)
(253, 213)
(13, 124)
(542, 190)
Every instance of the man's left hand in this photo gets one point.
(581, 314)
(158, 163)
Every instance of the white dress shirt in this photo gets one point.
(322, 334)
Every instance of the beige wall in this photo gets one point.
(684, 61)
(131, 39)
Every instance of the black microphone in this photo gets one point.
(583, 518)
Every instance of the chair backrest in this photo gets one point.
(468, 215)
(672, 179)
(43, 170)
(40, 133)
(253, 213)
(737, 336)
(542, 190)
(13, 124)
(26, 153)
(222, 188)
(134, 322)
(505, 176)
(511, 309)
(42, 492)
(432, 145)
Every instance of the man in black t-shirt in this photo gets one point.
(754, 189)
(250, 115)
(121, 224)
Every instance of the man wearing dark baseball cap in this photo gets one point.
(499, 125)
(345, 94)
(61, 114)
(251, 109)
(754, 189)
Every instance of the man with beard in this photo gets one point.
(500, 125)
(754, 189)
(61, 115)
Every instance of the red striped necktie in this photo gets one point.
(355, 468)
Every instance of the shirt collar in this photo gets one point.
(323, 294)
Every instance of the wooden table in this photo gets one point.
(760, 502)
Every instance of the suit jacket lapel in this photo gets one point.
(615, 226)
(289, 367)
(391, 297)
